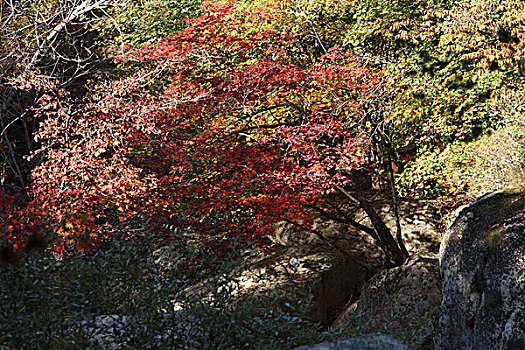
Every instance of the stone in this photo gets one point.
(331, 277)
(400, 300)
(375, 341)
(105, 330)
(483, 267)
(420, 222)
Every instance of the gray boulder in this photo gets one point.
(401, 301)
(483, 268)
(375, 341)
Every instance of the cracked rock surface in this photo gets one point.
(400, 299)
(483, 267)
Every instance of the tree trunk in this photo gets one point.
(394, 253)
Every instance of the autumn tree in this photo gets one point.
(220, 135)
(254, 113)
(44, 47)
(47, 53)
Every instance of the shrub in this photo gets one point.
(491, 162)
(122, 297)
(141, 22)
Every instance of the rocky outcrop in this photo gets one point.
(420, 221)
(330, 277)
(400, 300)
(483, 268)
(375, 341)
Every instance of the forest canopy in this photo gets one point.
(217, 120)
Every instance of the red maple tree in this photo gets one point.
(221, 133)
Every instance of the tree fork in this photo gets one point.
(384, 236)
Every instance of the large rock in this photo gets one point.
(420, 220)
(367, 342)
(400, 300)
(483, 268)
(331, 277)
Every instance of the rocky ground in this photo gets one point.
(422, 223)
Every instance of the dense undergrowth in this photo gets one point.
(133, 296)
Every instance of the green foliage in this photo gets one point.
(316, 25)
(132, 294)
(127, 296)
(459, 58)
(141, 22)
(423, 178)
(491, 162)
(451, 66)
(381, 27)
